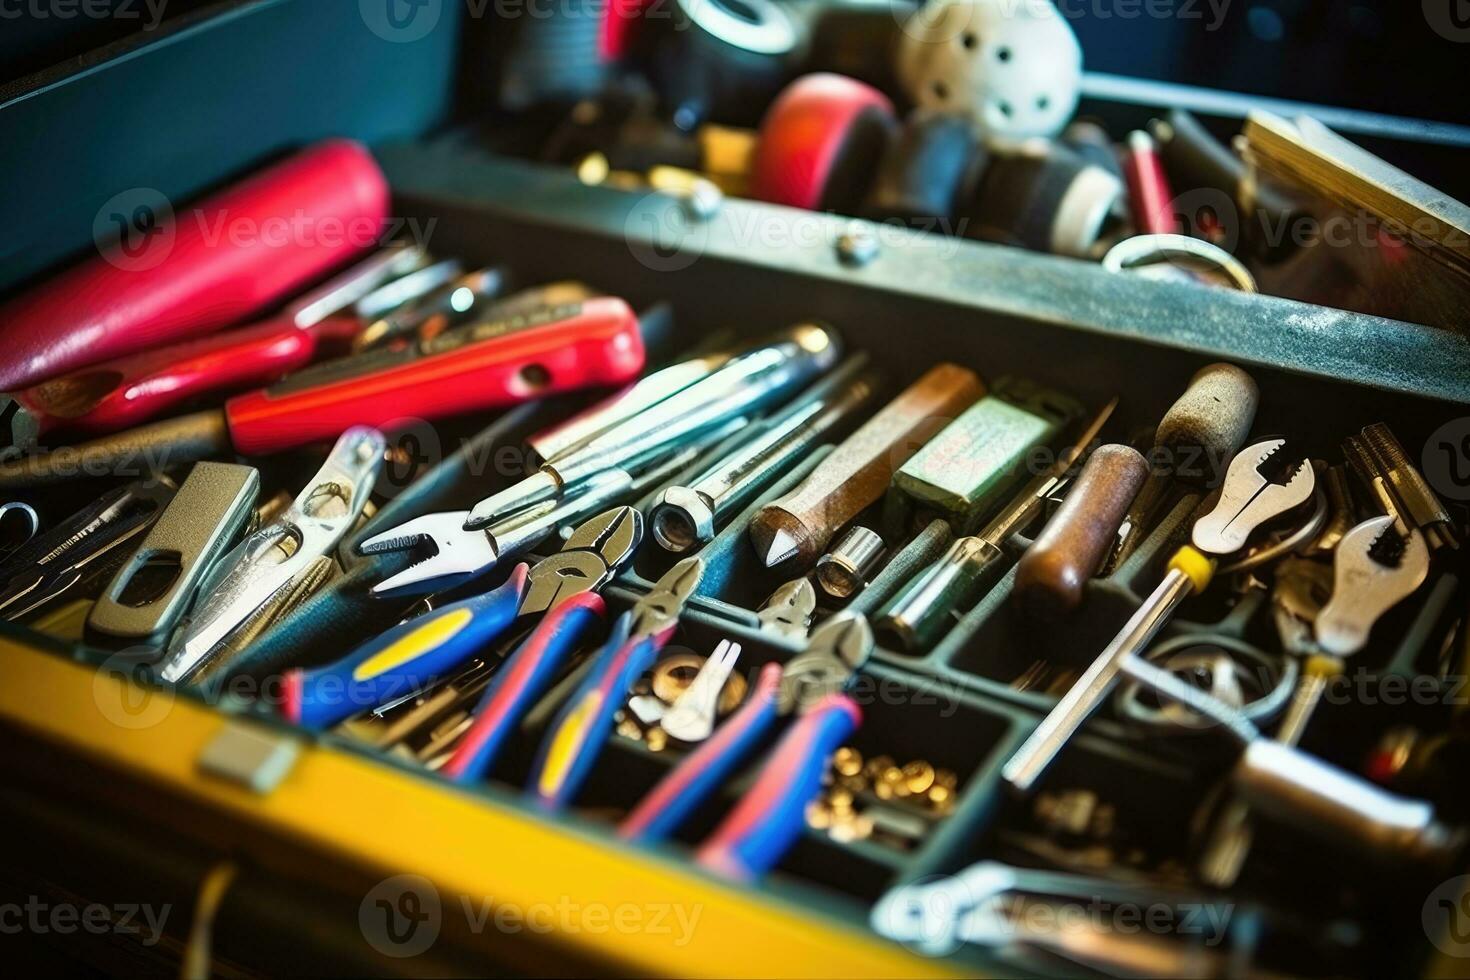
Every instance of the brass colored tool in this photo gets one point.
(800, 524)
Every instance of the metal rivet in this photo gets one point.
(857, 245)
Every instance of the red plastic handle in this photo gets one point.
(1150, 198)
(131, 390)
(214, 263)
(592, 343)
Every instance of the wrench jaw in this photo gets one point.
(1375, 568)
(1253, 494)
(454, 554)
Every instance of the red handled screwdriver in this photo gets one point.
(471, 368)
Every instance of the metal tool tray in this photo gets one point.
(343, 819)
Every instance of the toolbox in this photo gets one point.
(273, 845)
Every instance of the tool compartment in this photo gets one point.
(1322, 374)
(953, 706)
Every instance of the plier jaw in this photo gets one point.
(1260, 486)
(660, 608)
(788, 612)
(454, 555)
(589, 558)
(836, 650)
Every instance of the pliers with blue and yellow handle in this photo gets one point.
(769, 817)
(576, 736)
(561, 589)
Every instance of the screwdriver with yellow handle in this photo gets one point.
(1257, 489)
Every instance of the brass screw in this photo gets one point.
(818, 816)
(876, 766)
(848, 761)
(657, 739)
(894, 778)
(918, 777)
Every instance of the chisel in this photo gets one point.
(801, 523)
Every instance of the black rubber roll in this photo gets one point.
(930, 164)
(550, 55)
(722, 60)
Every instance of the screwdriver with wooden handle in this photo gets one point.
(1052, 574)
(923, 610)
(800, 524)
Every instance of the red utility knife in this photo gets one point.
(115, 395)
(472, 368)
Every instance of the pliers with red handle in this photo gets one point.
(769, 817)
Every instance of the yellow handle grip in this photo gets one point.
(1196, 564)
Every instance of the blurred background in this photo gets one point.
(1378, 55)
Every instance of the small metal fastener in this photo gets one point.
(843, 572)
(857, 245)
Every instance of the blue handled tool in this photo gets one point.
(769, 818)
(577, 735)
(665, 808)
(414, 654)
